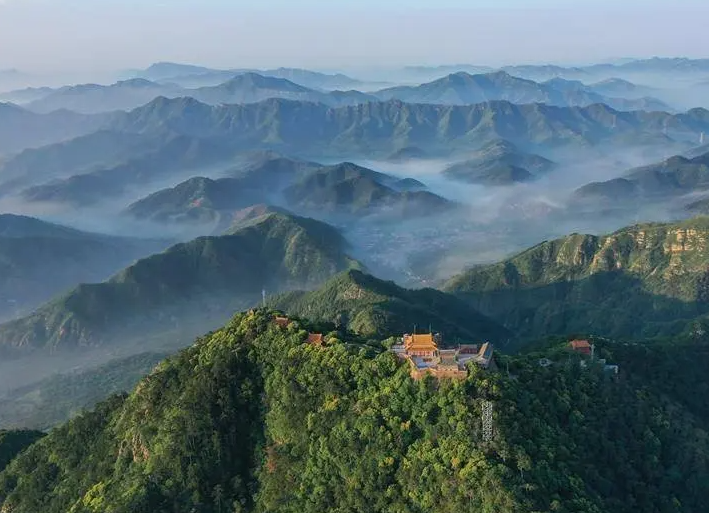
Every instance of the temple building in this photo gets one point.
(581, 346)
(425, 356)
(282, 322)
(424, 345)
(315, 339)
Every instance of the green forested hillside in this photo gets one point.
(200, 282)
(251, 418)
(372, 307)
(643, 281)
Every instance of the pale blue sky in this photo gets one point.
(108, 34)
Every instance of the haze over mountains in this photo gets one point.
(250, 87)
(39, 260)
(524, 206)
(672, 178)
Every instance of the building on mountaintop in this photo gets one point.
(581, 346)
(586, 348)
(282, 322)
(424, 345)
(315, 339)
(425, 356)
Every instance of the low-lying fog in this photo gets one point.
(496, 222)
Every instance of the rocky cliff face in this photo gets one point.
(636, 273)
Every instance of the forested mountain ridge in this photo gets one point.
(198, 280)
(642, 281)
(373, 307)
(251, 418)
(384, 127)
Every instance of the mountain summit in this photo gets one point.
(186, 287)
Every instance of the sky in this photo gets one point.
(53, 35)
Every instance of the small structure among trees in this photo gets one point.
(581, 346)
(282, 322)
(315, 339)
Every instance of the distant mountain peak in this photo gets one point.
(137, 83)
(256, 80)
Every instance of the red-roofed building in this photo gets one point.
(426, 356)
(282, 322)
(315, 339)
(581, 346)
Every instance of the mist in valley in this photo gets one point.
(494, 222)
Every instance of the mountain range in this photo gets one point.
(463, 89)
(201, 199)
(633, 67)
(129, 94)
(344, 190)
(198, 76)
(374, 129)
(645, 281)
(186, 287)
(288, 181)
(248, 87)
(95, 98)
(389, 126)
